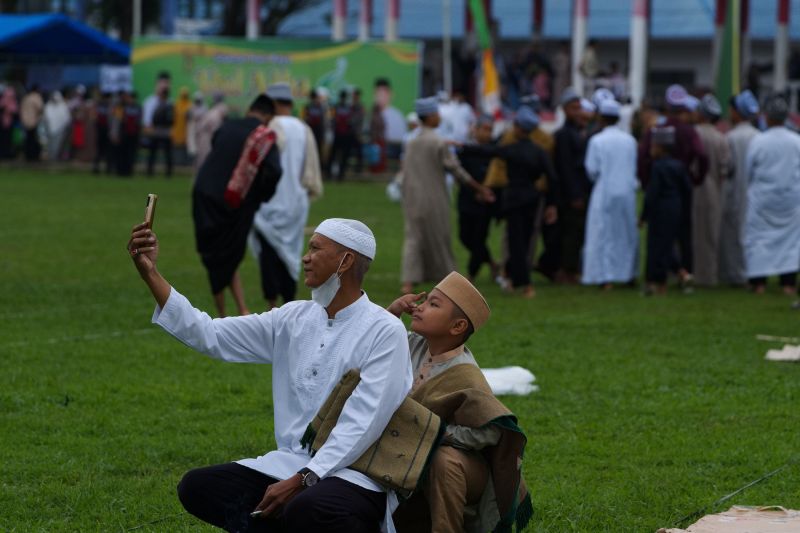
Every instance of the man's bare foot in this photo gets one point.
(528, 292)
(758, 289)
(788, 290)
(608, 286)
(407, 288)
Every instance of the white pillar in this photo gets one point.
(781, 47)
(364, 19)
(638, 51)
(720, 14)
(447, 68)
(392, 18)
(338, 29)
(253, 18)
(580, 15)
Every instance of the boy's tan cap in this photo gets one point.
(466, 296)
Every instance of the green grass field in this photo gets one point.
(649, 408)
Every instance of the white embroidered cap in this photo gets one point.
(352, 234)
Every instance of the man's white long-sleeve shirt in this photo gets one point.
(309, 353)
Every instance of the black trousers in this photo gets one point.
(32, 147)
(662, 232)
(573, 229)
(342, 147)
(473, 230)
(685, 234)
(165, 144)
(126, 155)
(787, 280)
(519, 228)
(225, 495)
(103, 151)
(275, 278)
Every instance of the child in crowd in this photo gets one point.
(475, 480)
(663, 205)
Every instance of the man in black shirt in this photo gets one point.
(527, 162)
(570, 151)
(220, 229)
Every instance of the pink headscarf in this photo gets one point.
(8, 103)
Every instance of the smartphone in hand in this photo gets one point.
(150, 210)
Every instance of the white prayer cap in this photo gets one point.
(352, 234)
(412, 118)
(587, 106)
(609, 108)
(676, 95)
(690, 103)
(280, 91)
(426, 106)
(601, 95)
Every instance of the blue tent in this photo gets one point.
(56, 39)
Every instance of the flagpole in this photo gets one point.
(447, 75)
(781, 47)
(580, 12)
(638, 51)
(719, 33)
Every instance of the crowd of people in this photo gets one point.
(721, 202)
(108, 130)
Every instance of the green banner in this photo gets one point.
(241, 69)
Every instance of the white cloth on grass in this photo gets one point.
(612, 238)
(309, 354)
(772, 223)
(511, 380)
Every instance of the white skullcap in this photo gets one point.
(588, 106)
(351, 234)
(609, 108)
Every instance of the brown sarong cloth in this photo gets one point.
(398, 460)
(461, 395)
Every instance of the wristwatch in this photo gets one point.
(309, 478)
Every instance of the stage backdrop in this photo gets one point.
(241, 69)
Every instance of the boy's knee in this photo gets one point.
(447, 463)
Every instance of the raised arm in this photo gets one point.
(236, 339)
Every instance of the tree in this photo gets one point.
(235, 17)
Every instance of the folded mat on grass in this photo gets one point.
(746, 519)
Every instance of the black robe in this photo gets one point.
(220, 230)
(663, 207)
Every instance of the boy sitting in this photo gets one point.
(474, 482)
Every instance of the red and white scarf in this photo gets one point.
(256, 148)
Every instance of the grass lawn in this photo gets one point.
(649, 408)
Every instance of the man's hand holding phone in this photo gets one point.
(143, 249)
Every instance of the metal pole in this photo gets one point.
(580, 12)
(137, 18)
(638, 51)
(781, 47)
(446, 47)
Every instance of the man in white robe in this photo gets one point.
(610, 248)
(310, 344)
(277, 237)
(744, 111)
(772, 224)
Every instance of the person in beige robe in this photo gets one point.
(205, 128)
(707, 197)
(427, 250)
